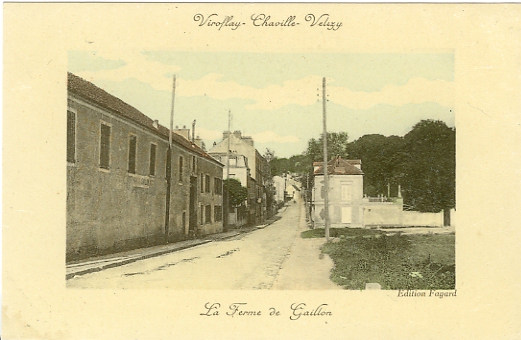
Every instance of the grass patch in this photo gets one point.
(395, 262)
(339, 232)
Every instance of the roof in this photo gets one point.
(91, 92)
(339, 166)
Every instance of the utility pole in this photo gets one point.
(227, 206)
(169, 166)
(171, 116)
(324, 166)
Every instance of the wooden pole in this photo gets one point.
(325, 167)
(172, 116)
(169, 167)
(227, 206)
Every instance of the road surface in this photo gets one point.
(248, 261)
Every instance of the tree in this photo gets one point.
(380, 156)
(429, 166)
(269, 185)
(337, 145)
(237, 193)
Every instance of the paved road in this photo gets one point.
(248, 261)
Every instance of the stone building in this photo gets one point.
(258, 171)
(124, 191)
(345, 192)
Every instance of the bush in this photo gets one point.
(393, 261)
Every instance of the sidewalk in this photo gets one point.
(98, 263)
(306, 268)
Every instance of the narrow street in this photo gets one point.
(248, 261)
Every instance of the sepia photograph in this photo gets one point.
(261, 171)
(188, 166)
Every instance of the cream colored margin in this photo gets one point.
(486, 43)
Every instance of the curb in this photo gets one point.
(127, 261)
(159, 253)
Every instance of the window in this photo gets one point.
(202, 214)
(346, 192)
(132, 150)
(193, 163)
(152, 159)
(104, 155)
(217, 213)
(207, 183)
(180, 168)
(202, 182)
(208, 214)
(218, 185)
(71, 136)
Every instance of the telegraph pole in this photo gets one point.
(172, 116)
(169, 166)
(324, 166)
(227, 206)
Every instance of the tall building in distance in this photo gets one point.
(244, 158)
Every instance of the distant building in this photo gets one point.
(119, 196)
(239, 169)
(280, 187)
(258, 170)
(345, 192)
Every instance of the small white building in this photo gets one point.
(280, 184)
(238, 166)
(346, 183)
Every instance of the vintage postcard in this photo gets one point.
(261, 171)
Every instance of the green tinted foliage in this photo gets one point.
(237, 192)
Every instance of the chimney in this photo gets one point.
(155, 124)
(226, 134)
(248, 140)
(237, 134)
(198, 141)
(184, 132)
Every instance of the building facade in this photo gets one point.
(125, 189)
(345, 193)
(258, 171)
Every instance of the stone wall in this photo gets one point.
(113, 209)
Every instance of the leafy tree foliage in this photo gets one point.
(381, 158)
(428, 164)
(337, 145)
(422, 162)
(297, 164)
(237, 192)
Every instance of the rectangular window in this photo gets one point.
(104, 155)
(180, 168)
(71, 136)
(218, 213)
(346, 192)
(193, 163)
(153, 159)
(218, 185)
(207, 183)
(202, 214)
(202, 182)
(208, 214)
(132, 152)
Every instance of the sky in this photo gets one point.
(277, 98)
